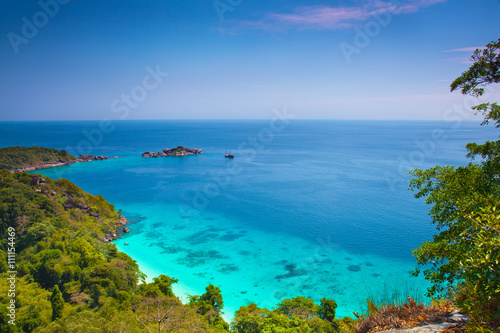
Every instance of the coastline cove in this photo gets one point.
(305, 215)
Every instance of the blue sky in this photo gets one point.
(238, 59)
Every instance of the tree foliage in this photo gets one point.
(484, 71)
(57, 303)
(463, 258)
(20, 157)
(33, 307)
(327, 309)
(299, 314)
(210, 305)
(58, 249)
(69, 280)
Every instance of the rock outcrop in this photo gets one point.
(87, 158)
(456, 318)
(179, 151)
(35, 180)
(119, 228)
(123, 221)
(71, 204)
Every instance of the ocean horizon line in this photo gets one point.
(244, 120)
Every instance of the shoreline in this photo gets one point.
(47, 165)
(180, 290)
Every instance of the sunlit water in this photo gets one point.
(312, 208)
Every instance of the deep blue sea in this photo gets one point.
(309, 208)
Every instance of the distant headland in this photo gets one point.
(45, 165)
(19, 159)
(179, 151)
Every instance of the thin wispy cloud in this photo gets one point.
(465, 53)
(334, 18)
(463, 60)
(466, 49)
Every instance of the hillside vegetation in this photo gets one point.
(21, 157)
(463, 259)
(68, 280)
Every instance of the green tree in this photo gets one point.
(292, 315)
(57, 303)
(210, 305)
(250, 319)
(165, 283)
(161, 286)
(213, 296)
(300, 306)
(327, 309)
(211, 300)
(463, 258)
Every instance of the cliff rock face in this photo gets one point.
(179, 151)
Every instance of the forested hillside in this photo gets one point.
(69, 279)
(22, 157)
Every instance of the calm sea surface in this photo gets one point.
(310, 208)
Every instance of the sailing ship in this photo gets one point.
(229, 155)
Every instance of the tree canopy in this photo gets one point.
(20, 157)
(68, 279)
(463, 258)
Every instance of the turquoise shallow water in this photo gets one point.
(317, 208)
